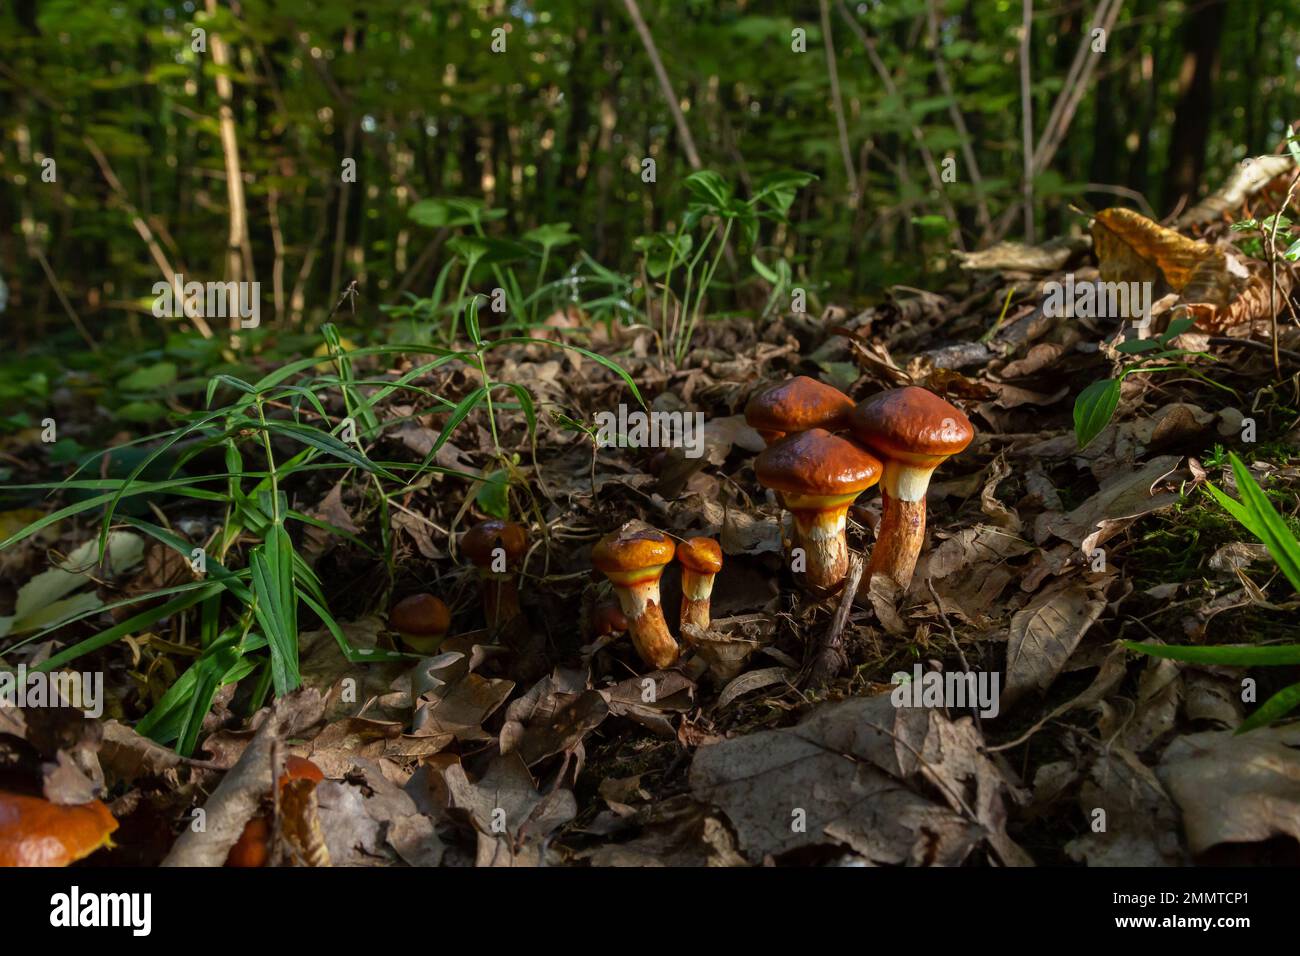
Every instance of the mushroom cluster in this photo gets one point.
(897, 437)
(633, 558)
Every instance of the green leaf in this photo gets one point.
(551, 234)
(325, 442)
(276, 605)
(494, 495)
(1094, 408)
(1230, 655)
(150, 378)
(1279, 705)
(458, 414)
(709, 187)
(1263, 521)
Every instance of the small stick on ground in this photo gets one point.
(829, 658)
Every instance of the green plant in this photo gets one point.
(248, 616)
(718, 211)
(1258, 516)
(1095, 405)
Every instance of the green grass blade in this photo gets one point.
(1233, 655)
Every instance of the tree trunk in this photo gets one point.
(1196, 79)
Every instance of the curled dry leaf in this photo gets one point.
(512, 819)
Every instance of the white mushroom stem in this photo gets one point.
(638, 595)
(902, 522)
(819, 524)
(697, 588)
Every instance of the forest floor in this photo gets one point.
(777, 737)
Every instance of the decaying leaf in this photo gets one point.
(896, 784)
(1235, 788)
(1045, 633)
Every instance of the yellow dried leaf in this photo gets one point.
(1132, 248)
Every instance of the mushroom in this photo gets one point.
(818, 476)
(797, 405)
(633, 558)
(422, 621)
(701, 560)
(36, 832)
(495, 547)
(913, 431)
(253, 848)
(608, 619)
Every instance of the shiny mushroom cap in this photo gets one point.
(420, 615)
(702, 555)
(36, 832)
(817, 463)
(796, 405)
(485, 537)
(911, 425)
(631, 548)
(608, 619)
(300, 768)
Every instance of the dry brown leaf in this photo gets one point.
(1129, 817)
(1132, 248)
(1235, 788)
(1045, 633)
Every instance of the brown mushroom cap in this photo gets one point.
(817, 463)
(702, 555)
(36, 832)
(480, 541)
(796, 405)
(421, 615)
(911, 425)
(608, 619)
(629, 549)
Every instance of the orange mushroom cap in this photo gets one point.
(818, 464)
(911, 425)
(36, 832)
(485, 537)
(796, 405)
(300, 768)
(702, 555)
(628, 549)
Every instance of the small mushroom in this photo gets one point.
(253, 848)
(495, 547)
(36, 832)
(421, 620)
(634, 558)
(796, 405)
(701, 560)
(608, 619)
(913, 431)
(818, 476)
